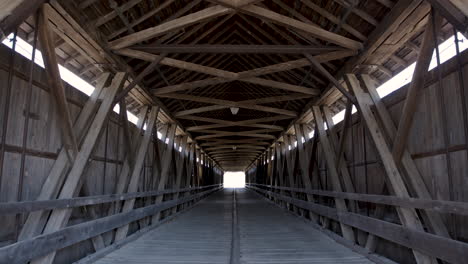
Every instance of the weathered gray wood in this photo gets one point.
(415, 178)
(345, 175)
(420, 72)
(55, 82)
(136, 170)
(180, 166)
(166, 163)
(435, 246)
(21, 9)
(408, 217)
(237, 49)
(28, 249)
(304, 161)
(311, 29)
(152, 32)
(440, 206)
(30, 206)
(74, 180)
(331, 163)
(35, 221)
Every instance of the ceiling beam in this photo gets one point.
(235, 146)
(313, 30)
(237, 134)
(21, 9)
(243, 122)
(253, 142)
(214, 126)
(236, 49)
(227, 76)
(247, 104)
(152, 32)
(453, 14)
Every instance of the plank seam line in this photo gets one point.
(134, 236)
(376, 258)
(235, 241)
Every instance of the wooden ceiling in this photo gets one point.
(271, 59)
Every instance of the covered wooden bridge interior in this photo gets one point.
(202, 87)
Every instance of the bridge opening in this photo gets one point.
(234, 179)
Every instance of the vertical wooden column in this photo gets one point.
(36, 220)
(420, 72)
(332, 170)
(280, 166)
(408, 217)
(304, 162)
(198, 164)
(166, 165)
(342, 167)
(290, 155)
(270, 166)
(412, 172)
(128, 162)
(138, 166)
(74, 181)
(56, 85)
(180, 167)
(189, 166)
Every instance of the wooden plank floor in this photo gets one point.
(271, 235)
(204, 235)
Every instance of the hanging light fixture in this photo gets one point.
(234, 110)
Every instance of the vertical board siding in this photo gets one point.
(43, 144)
(427, 147)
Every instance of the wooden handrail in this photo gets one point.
(29, 206)
(28, 249)
(450, 250)
(441, 206)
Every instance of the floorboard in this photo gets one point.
(267, 235)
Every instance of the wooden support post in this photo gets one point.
(166, 165)
(74, 181)
(348, 184)
(347, 120)
(413, 176)
(126, 131)
(304, 161)
(279, 166)
(408, 217)
(418, 81)
(139, 78)
(180, 167)
(332, 170)
(290, 154)
(190, 177)
(13, 13)
(136, 170)
(330, 77)
(122, 180)
(56, 85)
(36, 220)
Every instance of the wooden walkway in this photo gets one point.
(262, 233)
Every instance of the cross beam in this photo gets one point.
(247, 104)
(222, 76)
(236, 49)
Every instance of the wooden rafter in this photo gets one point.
(236, 49)
(210, 12)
